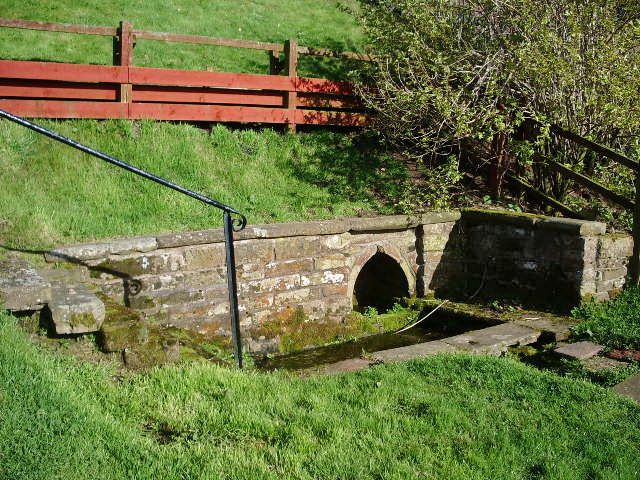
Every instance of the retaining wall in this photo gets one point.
(313, 266)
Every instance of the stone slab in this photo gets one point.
(600, 364)
(403, 354)
(558, 328)
(75, 310)
(22, 287)
(579, 350)
(345, 366)
(94, 251)
(630, 388)
(493, 340)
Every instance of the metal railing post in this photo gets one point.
(233, 288)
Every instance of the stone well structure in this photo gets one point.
(326, 267)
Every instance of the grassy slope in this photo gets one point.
(445, 417)
(313, 23)
(53, 194)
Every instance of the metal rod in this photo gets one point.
(233, 288)
(119, 163)
(230, 224)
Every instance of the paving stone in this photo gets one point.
(402, 354)
(579, 350)
(599, 364)
(22, 287)
(75, 310)
(494, 340)
(345, 366)
(630, 388)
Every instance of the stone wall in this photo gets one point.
(313, 266)
(180, 278)
(542, 261)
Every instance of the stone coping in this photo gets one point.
(124, 246)
(144, 244)
(569, 225)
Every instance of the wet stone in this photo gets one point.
(579, 350)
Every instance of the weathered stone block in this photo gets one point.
(337, 260)
(340, 289)
(434, 243)
(22, 287)
(288, 267)
(94, 251)
(75, 310)
(297, 247)
(579, 350)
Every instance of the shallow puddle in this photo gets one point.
(434, 328)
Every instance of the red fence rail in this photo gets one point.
(64, 90)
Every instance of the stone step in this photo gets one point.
(579, 350)
(74, 309)
(402, 354)
(22, 288)
(494, 340)
(630, 388)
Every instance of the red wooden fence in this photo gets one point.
(63, 90)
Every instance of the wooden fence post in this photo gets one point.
(124, 56)
(635, 259)
(274, 63)
(291, 51)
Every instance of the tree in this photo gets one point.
(474, 75)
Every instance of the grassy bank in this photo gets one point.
(445, 417)
(53, 194)
(315, 24)
(615, 324)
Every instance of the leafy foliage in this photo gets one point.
(475, 75)
(615, 323)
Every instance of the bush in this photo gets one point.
(468, 75)
(615, 324)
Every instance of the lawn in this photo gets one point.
(52, 194)
(315, 24)
(614, 324)
(444, 417)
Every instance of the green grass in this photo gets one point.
(615, 324)
(445, 417)
(313, 23)
(53, 194)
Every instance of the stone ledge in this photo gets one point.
(95, 251)
(98, 250)
(22, 287)
(569, 225)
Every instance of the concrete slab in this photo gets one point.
(345, 366)
(22, 288)
(630, 388)
(556, 327)
(402, 354)
(579, 350)
(493, 340)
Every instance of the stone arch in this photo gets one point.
(394, 271)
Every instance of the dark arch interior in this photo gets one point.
(379, 284)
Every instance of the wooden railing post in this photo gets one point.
(634, 278)
(274, 62)
(291, 52)
(124, 56)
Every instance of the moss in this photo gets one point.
(82, 319)
(296, 332)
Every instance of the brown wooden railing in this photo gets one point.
(63, 90)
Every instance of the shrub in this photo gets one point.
(458, 76)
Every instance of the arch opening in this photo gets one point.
(380, 283)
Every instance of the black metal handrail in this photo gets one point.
(231, 224)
